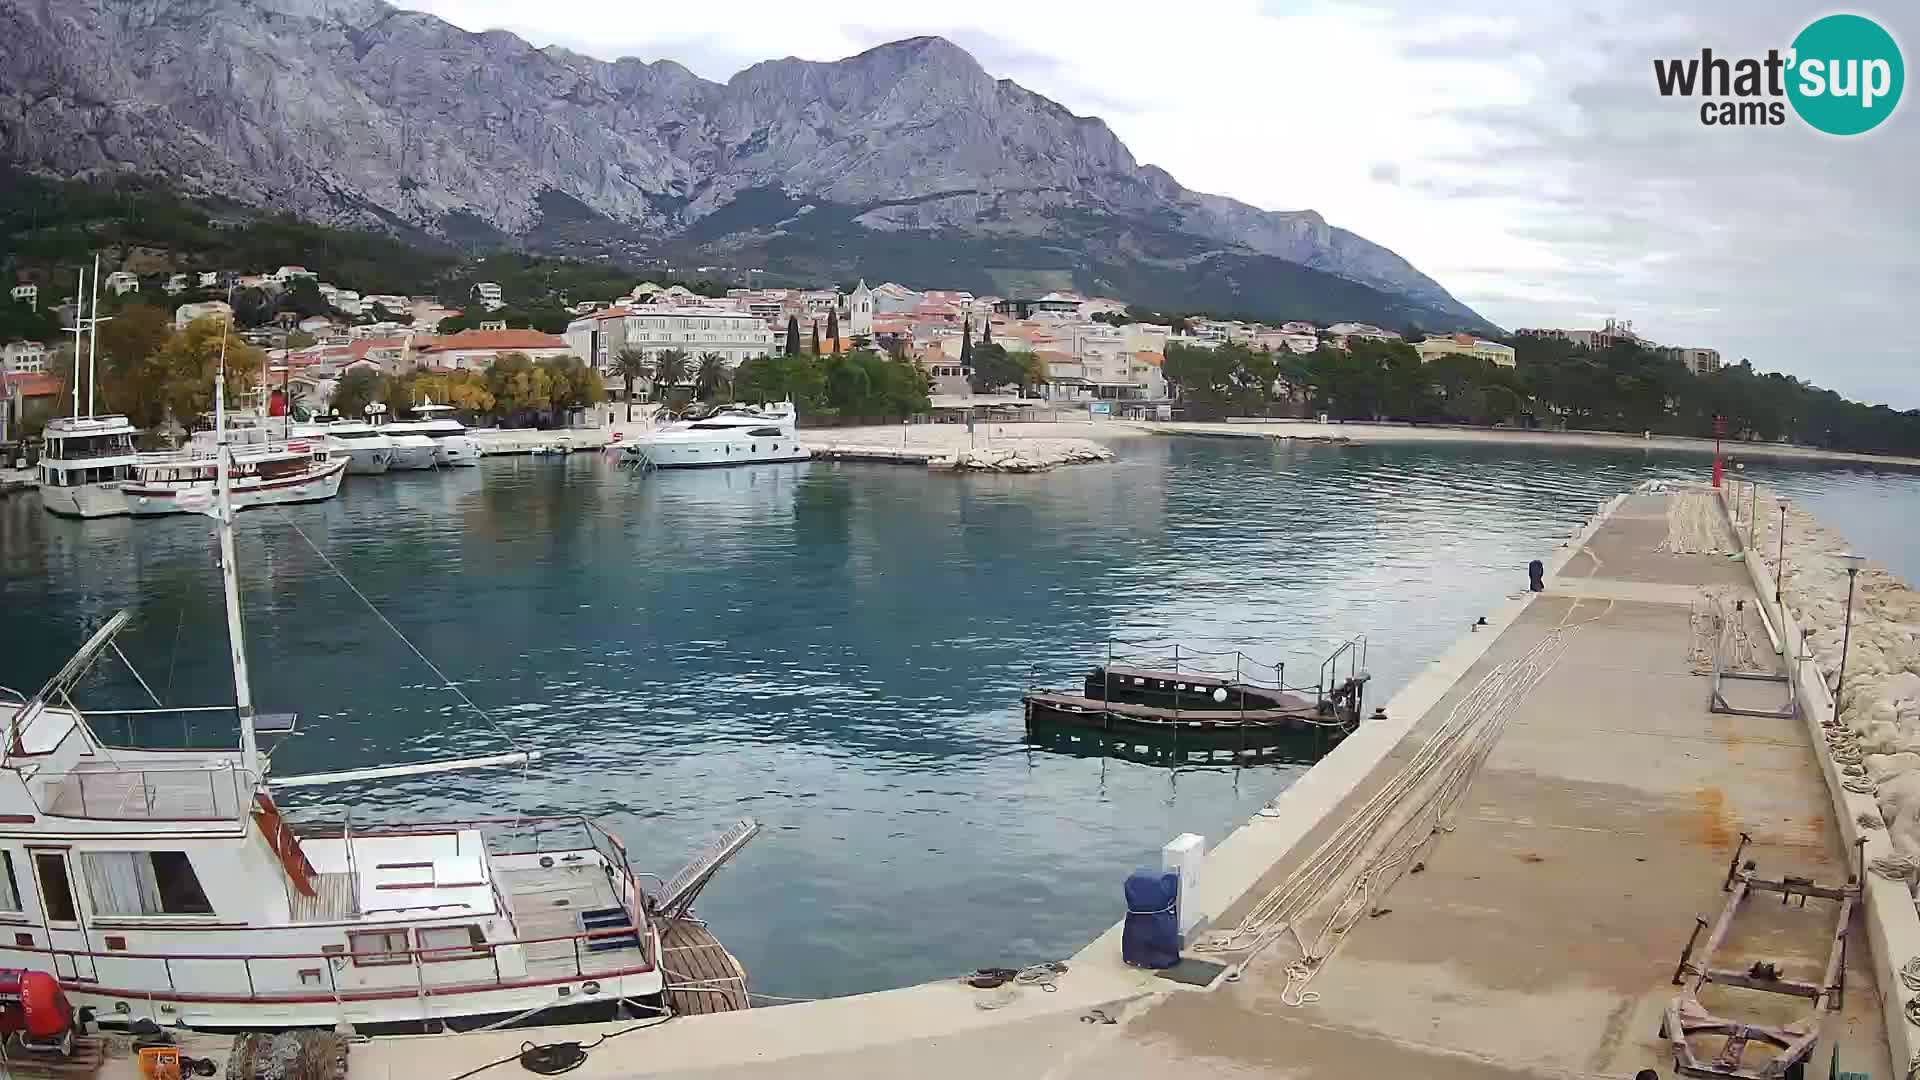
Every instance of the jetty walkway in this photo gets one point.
(1529, 927)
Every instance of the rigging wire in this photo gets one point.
(404, 640)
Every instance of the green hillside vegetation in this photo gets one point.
(1554, 384)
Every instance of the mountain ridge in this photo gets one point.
(353, 112)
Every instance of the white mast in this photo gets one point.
(79, 326)
(229, 576)
(93, 333)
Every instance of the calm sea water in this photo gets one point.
(838, 651)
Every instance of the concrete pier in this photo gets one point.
(1537, 938)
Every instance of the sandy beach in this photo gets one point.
(1367, 432)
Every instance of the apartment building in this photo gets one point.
(1438, 345)
(653, 329)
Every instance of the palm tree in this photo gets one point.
(709, 375)
(669, 369)
(630, 366)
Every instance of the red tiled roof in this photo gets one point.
(493, 339)
(359, 349)
(36, 384)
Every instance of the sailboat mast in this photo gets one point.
(79, 326)
(230, 577)
(93, 333)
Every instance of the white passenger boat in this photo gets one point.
(167, 886)
(734, 435)
(452, 446)
(411, 450)
(84, 462)
(368, 452)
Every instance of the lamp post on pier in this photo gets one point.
(1779, 563)
(1853, 563)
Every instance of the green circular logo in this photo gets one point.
(1846, 74)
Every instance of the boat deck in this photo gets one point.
(549, 902)
(1087, 711)
(143, 794)
(702, 977)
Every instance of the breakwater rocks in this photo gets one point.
(1026, 457)
(1879, 705)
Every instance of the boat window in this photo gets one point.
(56, 894)
(372, 948)
(439, 943)
(765, 432)
(143, 883)
(9, 885)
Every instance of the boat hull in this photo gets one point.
(312, 487)
(368, 460)
(1074, 710)
(717, 454)
(85, 501)
(456, 451)
(415, 453)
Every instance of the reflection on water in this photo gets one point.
(837, 650)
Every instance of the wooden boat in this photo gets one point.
(1125, 698)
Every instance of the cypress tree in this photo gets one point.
(966, 343)
(986, 331)
(793, 335)
(816, 338)
(833, 329)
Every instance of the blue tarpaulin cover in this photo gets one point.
(1151, 937)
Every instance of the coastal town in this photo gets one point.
(1057, 348)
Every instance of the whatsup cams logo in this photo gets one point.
(1842, 75)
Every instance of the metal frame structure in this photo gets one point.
(1716, 693)
(1686, 1018)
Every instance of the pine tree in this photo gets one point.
(966, 343)
(833, 330)
(986, 331)
(816, 337)
(793, 335)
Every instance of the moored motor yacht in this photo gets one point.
(412, 450)
(84, 462)
(452, 446)
(368, 452)
(733, 435)
(166, 886)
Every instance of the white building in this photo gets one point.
(176, 284)
(185, 314)
(489, 295)
(893, 298)
(735, 335)
(1361, 330)
(210, 279)
(859, 316)
(28, 295)
(1438, 345)
(120, 283)
(23, 358)
(1696, 361)
(287, 274)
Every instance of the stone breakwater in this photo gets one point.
(1033, 456)
(1880, 702)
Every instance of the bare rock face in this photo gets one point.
(353, 112)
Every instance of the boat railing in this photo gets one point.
(337, 974)
(209, 792)
(526, 835)
(152, 729)
(1226, 664)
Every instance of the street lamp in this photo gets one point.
(1779, 564)
(1853, 563)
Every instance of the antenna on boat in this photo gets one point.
(229, 575)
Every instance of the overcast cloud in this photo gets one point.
(1522, 157)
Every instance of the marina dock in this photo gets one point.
(1533, 930)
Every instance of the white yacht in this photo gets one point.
(452, 446)
(411, 449)
(83, 464)
(269, 474)
(733, 435)
(167, 886)
(368, 452)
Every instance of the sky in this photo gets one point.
(1521, 155)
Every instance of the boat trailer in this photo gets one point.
(1686, 1017)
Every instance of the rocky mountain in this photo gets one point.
(906, 161)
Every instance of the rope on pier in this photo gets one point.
(1381, 838)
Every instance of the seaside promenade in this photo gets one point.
(1530, 931)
